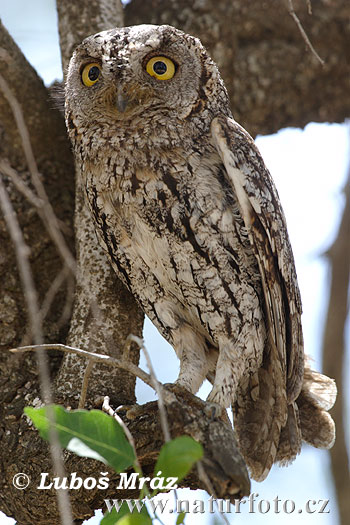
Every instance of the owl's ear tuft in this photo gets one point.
(57, 94)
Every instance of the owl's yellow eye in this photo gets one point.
(91, 74)
(161, 67)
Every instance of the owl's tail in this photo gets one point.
(259, 414)
(271, 431)
(309, 416)
(317, 396)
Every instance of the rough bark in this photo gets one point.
(272, 79)
(18, 376)
(334, 353)
(273, 82)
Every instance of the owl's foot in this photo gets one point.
(177, 388)
(213, 410)
(220, 396)
(131, 411)
(216, 411)
(185, 383)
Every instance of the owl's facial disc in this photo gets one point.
(125, 72)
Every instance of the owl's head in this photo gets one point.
(141, 71)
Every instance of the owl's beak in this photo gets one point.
(122, 100)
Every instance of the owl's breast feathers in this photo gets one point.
(173, 229)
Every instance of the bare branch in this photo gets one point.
(85, 385)
(22, 254)
(20, 185)
(157, 387)
(334, 351)
(108, 360)
(52, 292)
(302, 30)
(309, 7)
(109, 410)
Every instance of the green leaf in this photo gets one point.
(111, 518)
(177, 457)
(181, 518)
(90, 434)
(117, 517)
(135, 519)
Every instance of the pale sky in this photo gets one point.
(309, 169)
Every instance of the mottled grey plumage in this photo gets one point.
(192, 222)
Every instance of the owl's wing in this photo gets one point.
(264, 219)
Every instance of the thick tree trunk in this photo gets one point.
(273, 82)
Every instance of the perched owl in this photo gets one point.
(190, 217)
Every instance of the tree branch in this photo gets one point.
(302, 30)
(334, 352)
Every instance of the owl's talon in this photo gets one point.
(176, 388)
(131, 411)
(213, 410)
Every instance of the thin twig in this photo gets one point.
(51, 220)
(31, 197)
(335, 352)
(84, 388)
(137, 467)
(46, 304)
(309, 7)
(108, 360)
(106, 407)
(157, 386)
(30, 294)
(52, 292)
(38, 204)
(302, 31)
(22, 255)
(20, 185)
(97, 319)
(68, 305)
(127, 348)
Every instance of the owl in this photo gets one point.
(192, 223)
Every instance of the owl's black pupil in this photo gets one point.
(94, 73)
(159, 67)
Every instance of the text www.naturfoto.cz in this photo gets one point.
(251, 505)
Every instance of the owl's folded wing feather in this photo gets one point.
(264, 219)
